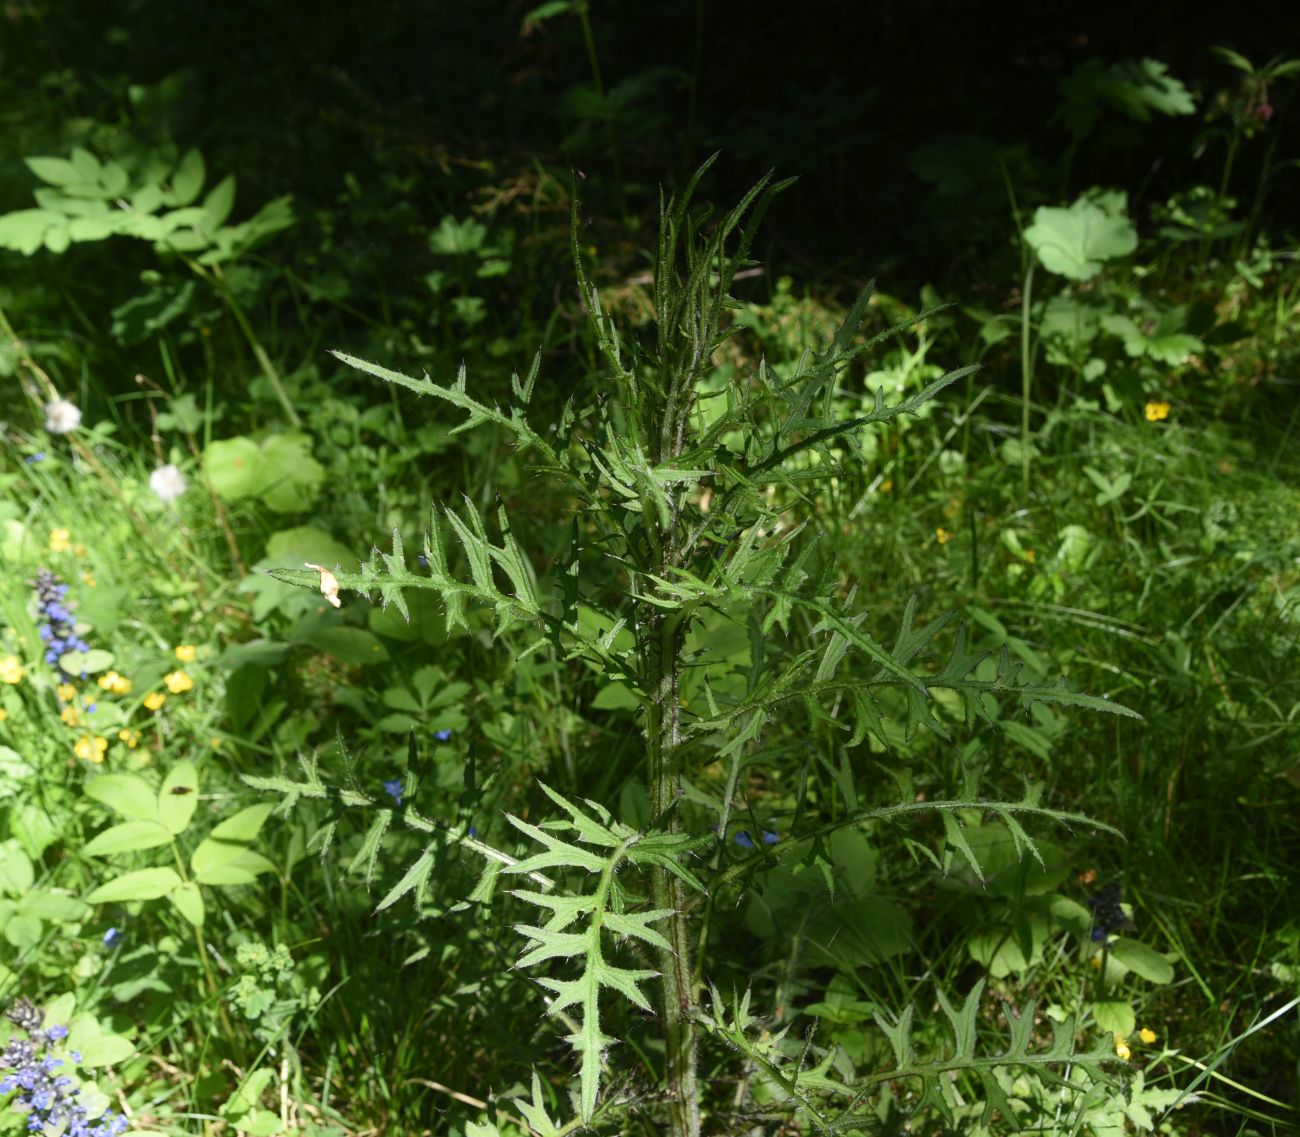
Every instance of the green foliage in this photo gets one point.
(157, 818)
(1076, 242)
(145, 196)
(638, 467)
(729, 657)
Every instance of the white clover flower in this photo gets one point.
(61, 416)
(167, 482)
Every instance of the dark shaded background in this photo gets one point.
(290, 95)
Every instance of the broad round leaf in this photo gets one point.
(233, 467)
(1076, 242)
(1115, 1017)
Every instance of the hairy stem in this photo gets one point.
(665, 642)
(663, 742)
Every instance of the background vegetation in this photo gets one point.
(200, 202)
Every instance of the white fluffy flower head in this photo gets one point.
(61, 416)
(167, 482)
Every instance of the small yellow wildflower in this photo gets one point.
(178, 682)
(1031, 555)
(69, 715)
(66, 692)
(91, 748)
(154, 700)
(942, 536)
(11, 671)
(1156, 412)
(114, 683)
(216, 743)
(887, 485)
(1095, 963)
(60, 540)
(78, 550)
(88, 580)
(130, 737)
(4, 714)
(1147, 1035)
(1121, 1048)
(186, 653)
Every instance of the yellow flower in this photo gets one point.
(4, 714)
(216, 742)
(154, 700)
(1095, 963)
(69, 715)
(186, 653)
(88, 580)
(1156, 412)
(1147, 1036)
(130, 737)
(11, 671)
(887, 485)
(177, 682)
(78, 550)
(942, 536)
(91, 749)
(1121, 1048)
(66, 692)
(114, 683)
(1031, 555)
(60, 540)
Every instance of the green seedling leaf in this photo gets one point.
(188, 901)
(243, 867)
(178, 797)
(144, 884)
(128, 794)
(1142, 960)
(128, 837)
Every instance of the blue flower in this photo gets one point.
(111, 937)
(442, 735)
(32, 459)
(744, 840)
(49, 1101)
(770, 838)
(393, 788)
(58, 630)
(472, 830)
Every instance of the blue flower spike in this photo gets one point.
(49, 1100)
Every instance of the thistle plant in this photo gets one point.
(693, 496)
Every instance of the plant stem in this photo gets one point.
(664, 644)
(663, 742)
